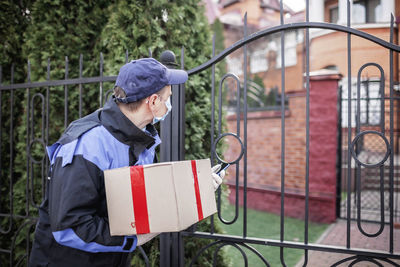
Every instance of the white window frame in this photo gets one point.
(374, 102)
(290, 50)
(235, 65)
(258, 61)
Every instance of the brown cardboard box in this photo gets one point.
(162, 197)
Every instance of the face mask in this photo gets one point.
(169, 107)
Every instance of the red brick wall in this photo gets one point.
(323, 142)
(264, 145)
(264, 155)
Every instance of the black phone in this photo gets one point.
(224, 166)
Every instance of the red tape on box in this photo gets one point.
(197, 191)
(139, 200)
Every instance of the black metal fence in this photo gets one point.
(373, 184)
(34, 97)
(385, 131)
(26, 117)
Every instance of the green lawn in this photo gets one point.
(267, 225)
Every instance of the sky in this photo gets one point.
(295, 5)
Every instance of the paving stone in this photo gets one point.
(336, 234)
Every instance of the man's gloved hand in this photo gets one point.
(217, 178)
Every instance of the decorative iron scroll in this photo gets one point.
(220, 244)
(356, 259)
(241, 111)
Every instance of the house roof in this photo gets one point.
(212, 11)
(275, 5)
(235, 17)
(296, 17)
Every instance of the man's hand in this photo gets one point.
(217, 178)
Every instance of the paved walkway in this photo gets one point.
(371, 204)
(335, 235)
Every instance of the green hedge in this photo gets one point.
(54, 29)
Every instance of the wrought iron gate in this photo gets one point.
(171, 247)
(371, 182)
(383, 168)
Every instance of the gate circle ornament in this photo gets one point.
(368, 165)
(40, 141)
(241, 148)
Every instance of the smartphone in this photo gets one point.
(224, 167)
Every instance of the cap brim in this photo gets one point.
(176, 76)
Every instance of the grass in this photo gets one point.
(343, 196)
(267, 225)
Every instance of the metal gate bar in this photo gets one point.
(365, 254)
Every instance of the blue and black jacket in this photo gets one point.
(73, 227)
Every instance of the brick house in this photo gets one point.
(328, 58)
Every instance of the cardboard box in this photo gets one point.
(162, 197)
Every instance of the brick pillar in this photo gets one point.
(323, 144)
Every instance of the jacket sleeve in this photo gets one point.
(76, 198)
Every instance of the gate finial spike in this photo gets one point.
(66, 67)
(101, 63)
(48, 68)
(168, 59)
(80, 65)
(213, 44)
(29, 70)
(182, 57)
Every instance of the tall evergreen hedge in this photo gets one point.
(14, 20)
(57, 29)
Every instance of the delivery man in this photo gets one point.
(73, 227)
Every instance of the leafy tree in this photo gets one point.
(40, 31)
(64, 28)
(258, 80)
(218, 30)
(70, 28)
(14, 20)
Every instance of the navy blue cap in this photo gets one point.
(143, 77)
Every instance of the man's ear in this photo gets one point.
(152, 100)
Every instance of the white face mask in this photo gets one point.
(169, 107)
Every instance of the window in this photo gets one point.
(258, 97)
(370, 103)
(334, 14)
(299, 36)
(370, 113)
(258, 61)
(367, 11)
(290, 50)
(234, 65)
(227, 3)
(331, 67)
